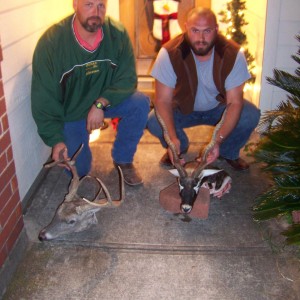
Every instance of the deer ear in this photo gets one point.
(174, 172)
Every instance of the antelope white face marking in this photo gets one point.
(196, 188)
(180, 186)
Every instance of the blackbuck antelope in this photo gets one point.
(75, 213)
(193, 175)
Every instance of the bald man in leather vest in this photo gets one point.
(197, 75)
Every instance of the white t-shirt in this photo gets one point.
(206, 93)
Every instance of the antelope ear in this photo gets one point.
(174, 172)
(208, 172)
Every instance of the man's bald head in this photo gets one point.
(201, 12)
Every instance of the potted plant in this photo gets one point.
(279, 152)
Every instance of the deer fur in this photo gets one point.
(77, 213)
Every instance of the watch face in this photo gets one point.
(99, 105)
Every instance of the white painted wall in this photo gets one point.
(282, 25)
(21, 24)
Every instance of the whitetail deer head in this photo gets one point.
(75, 213)
(193, 175)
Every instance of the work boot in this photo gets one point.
(238, 164)
(130, 173)
(166, 162)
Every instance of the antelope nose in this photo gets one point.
(186, 208)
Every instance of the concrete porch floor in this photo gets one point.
(140, 251)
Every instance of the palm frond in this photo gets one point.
(286, 81)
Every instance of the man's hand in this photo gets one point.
(60, 152)
(95, 118)
(212, 155)
(176, 142)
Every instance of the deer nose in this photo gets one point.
(186, 208)
(42, 236)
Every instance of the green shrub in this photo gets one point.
(279, 153)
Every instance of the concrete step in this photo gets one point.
(146, 86)
(144, 65)
(145, 82)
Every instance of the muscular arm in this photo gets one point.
(234, 109)
(163, 105)
(235, 106)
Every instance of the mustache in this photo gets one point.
(94, 18)
(200, 43)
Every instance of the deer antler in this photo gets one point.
(203, 163)
(70, 164)
(209, 146)
(107, 201)
(76, 181)
(182, 172)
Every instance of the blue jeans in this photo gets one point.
(133, 113)
(230, 149)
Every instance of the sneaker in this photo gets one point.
(130, 173)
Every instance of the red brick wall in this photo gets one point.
(11, 219)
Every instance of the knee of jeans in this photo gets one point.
(250, 118)
(142, 103)
(254, 118)
(251, 113)
(153, 126)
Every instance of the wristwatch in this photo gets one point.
(99, 105)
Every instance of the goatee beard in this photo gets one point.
(94, 26)
(203, 51)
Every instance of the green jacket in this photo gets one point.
(67, 78)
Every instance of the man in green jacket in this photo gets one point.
(83, 72)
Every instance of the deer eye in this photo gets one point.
(71, 222)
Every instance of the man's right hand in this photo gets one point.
(60, 152)
(176, 142)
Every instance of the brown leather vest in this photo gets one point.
(185, 69)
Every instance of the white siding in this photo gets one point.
(282, 25)
(21, 24)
